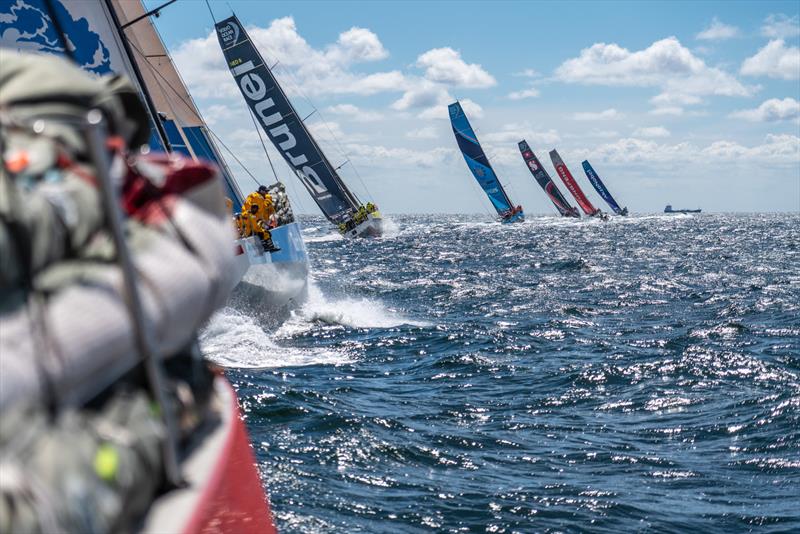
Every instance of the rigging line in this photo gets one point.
(338, 145)
(258, 131)
(62, 37)
(212, 13)
(190, 104)
(194, 111)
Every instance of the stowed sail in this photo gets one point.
(572, 185)
(479, 164)
(601, 189)
(546, 182)
(283, 126)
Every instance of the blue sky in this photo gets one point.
(688, 103)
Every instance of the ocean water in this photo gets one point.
(558, 375)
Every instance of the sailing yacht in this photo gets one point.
(546, 183)
(132, 315)
(273, 281)
(287, 131)
(601, 189)
(481, 169)
(573, 187)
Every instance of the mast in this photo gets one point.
(476, 159)
(138, 74)
(279, 119)
(179, 115)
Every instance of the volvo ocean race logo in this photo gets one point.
(25, 25)
(229, 34)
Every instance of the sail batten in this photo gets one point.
(601, 189)
(546, 183)
(283, 126)
(477, 161)
(571, 184)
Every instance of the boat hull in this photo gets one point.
(516, 217)
(273, 282)
(223, 491)
(371, 227)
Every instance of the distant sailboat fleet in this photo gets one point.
(479, 164)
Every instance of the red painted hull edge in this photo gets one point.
(234, 500)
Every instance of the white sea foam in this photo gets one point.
(234, 337)
(346, 312)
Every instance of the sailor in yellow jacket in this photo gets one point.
(250, 224)
(263, 200)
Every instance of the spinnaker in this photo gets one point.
(572, 185)
(479, 164)
(601, 189)
(547, 184)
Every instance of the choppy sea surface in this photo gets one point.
(558, 375)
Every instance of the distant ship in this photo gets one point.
(669, 209)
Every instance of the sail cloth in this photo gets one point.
(476, 160)
(185, 128)
(97, 44)
(601, 189)
(279, 119)
(544, 180)
(571, 184)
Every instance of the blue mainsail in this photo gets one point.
(601, 189)
(477, 161)
(279, 120)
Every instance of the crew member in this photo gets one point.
(263, 200)
(252, 225)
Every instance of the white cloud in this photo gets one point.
(358, 44)
(776, 149)
(427, 132)
(444, 65)
(378, 155)
(355, 113)
(652, 132)
(665, 64)
(718, 31)
(666, 99)
(775, 60)
(771, 110)
(531, 92)
(669, 110)
(422, 93)
(511, 134)
(316, 71)
(527, 73)
(472, 109)
(605, 115)
(781, 26)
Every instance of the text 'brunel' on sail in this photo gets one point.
(279, 119)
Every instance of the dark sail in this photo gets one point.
(601, 189)
(279, 120)
(546, 182)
